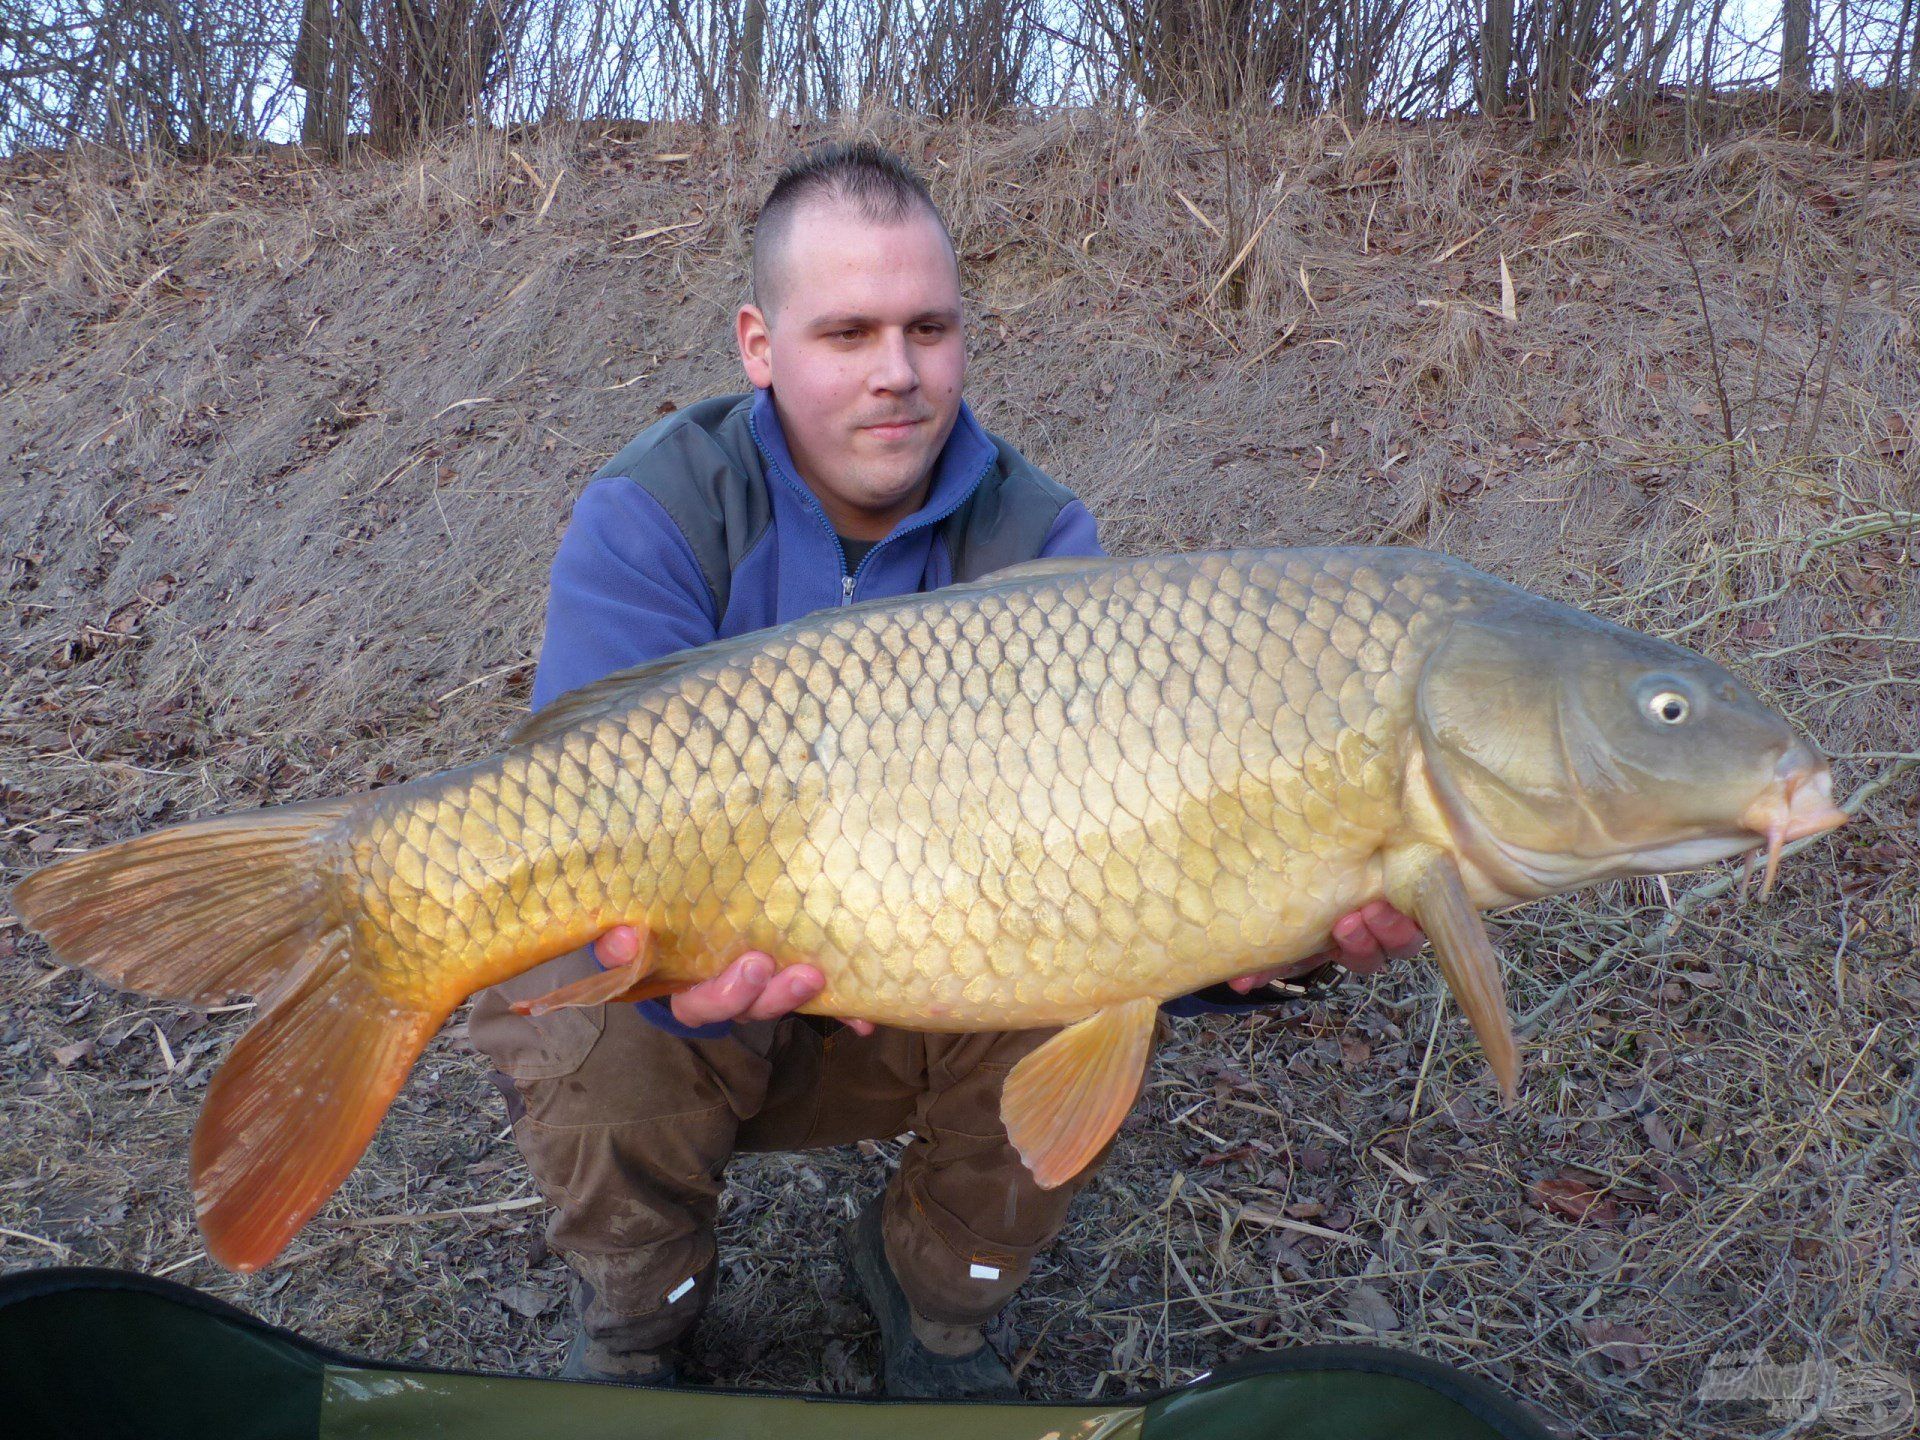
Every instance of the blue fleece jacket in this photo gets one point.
(627, 587)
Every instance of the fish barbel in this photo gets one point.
(1054, 797)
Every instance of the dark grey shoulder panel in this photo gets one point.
(701, 465)
(1007, 519)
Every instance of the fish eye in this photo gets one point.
(1669, 707)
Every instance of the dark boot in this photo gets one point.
(908, 1368)
(588, 1361)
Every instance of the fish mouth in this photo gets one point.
(1800, 804)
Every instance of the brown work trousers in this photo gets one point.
(628, 1128)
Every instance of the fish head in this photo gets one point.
(1565, 750)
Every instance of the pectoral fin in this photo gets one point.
(632, 981)
(1425, 882)
(1063, 1102)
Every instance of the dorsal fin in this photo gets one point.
(612, 690)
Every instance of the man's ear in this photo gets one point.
(756, 345)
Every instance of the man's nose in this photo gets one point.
(893, 369)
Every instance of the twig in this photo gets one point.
(53, 1245)
(1833, 349)
(1726, 410)
(1195, 211)
(1426, 1063)
(657, 231)
(552, 190)
(1247, 249)
(363, 1222)
(1454, 249)
(1257, 1215)
(1766, 322)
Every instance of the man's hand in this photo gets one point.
(751, 988)
(1363, 941)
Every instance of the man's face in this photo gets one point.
(865, 354)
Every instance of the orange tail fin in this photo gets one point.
(200, 912)
(239, 905)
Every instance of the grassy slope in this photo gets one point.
(289, 450)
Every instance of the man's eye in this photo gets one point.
(845, 335)
(933, 332)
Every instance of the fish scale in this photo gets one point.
(999, 805)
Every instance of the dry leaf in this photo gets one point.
(1624, 1347)
(68, 1056)
(1367, 1306)
(1576, 1199)
(1658, 1136)
(526, 1301)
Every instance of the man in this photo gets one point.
(854, 471)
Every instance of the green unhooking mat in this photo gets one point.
(87, 1353)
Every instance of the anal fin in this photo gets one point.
(1063, 1103)
(632, 981)
(295, 1104)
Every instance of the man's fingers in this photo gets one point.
(727, 995)
(1363, 941)
(1395, 933)
(617, 947)
(1359, 951)
(786, 992)
(753, 988)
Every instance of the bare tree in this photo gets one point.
(203, 74)
(1496, 53)
(1796, 53)
(330, 50)
(429, 62)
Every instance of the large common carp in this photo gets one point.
(1057, 796)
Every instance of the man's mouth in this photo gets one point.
(891, 429)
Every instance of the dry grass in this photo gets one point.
(291, 449)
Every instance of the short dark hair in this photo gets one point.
(877, 183)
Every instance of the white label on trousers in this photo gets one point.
(680, 1289)
(977, 1271)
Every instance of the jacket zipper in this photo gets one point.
(848, 581)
